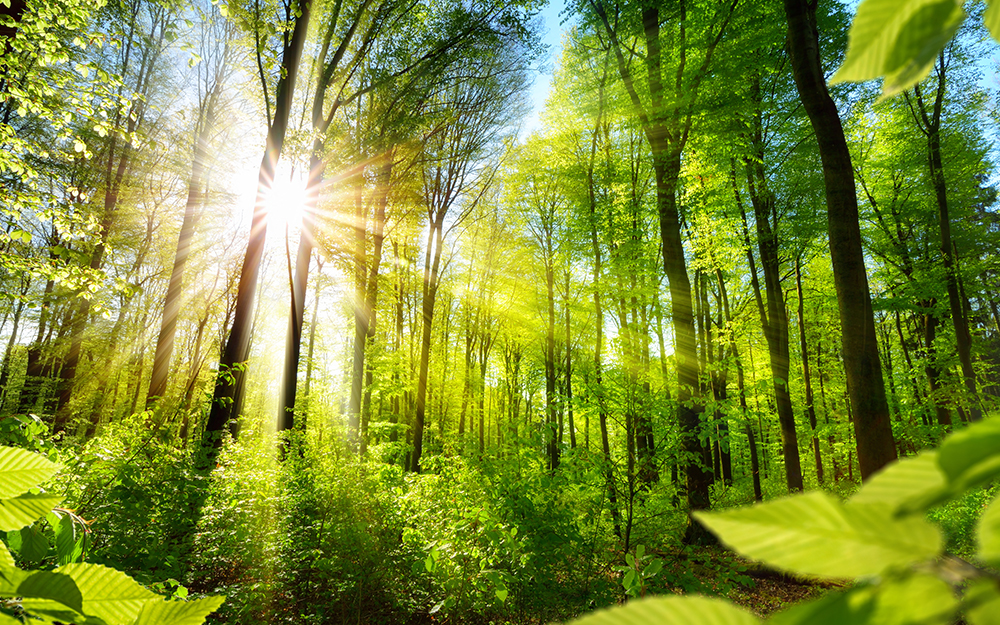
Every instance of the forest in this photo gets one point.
(307, 318)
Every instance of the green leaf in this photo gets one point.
(501, 594)
(69, 547)
(654, 567)
(898, 39)
(23, 237)
(20, 511)
(6, 559)
(29, 544)
(688, 610)
(992, 18)
(629, 580)
(8, 620)
(971, 457)
(982, 602)
(988, 533)
(109, 595)
(920, 598)
(22, 470)
(41, 588)
(815, 534)
(905, 484)
(836, 608)
(178, 612)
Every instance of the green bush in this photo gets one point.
(74, 591)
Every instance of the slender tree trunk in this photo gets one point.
(931, 126)
(775, 319)
(432, 263)
(229, 387)
(931, 367)
(195, 200)
(873, 430)
(806, 378)
(569, 369)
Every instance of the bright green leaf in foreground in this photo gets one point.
(42, 588)
(988, 533)
(904, 484)
(30, 544)
(690, 610)
(992, 18)
(969, 457)
(918, 598)
(6, 560)
(178, 612)
(108, 594)
(898, 39)
(17, 512)
(834, 608)
(982, 602)
(814, 534)
(22, 470)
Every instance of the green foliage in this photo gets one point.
(900, 40)
(638, 569)
(75, 591)
(880, 537)
(142, 496)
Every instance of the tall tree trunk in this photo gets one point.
(931, 368)
(432, 263)
(775, 319)
(229, 387)
(930, 124)
(872, 427)
(569, 369)
(806, 378)
(192, 208)
(551, 402)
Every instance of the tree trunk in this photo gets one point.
(806, 378)
(432, 263)
(931, 127)
(229, 387)
(872, 427)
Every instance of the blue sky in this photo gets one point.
(543, 80)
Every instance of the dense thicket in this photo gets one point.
(499, 358)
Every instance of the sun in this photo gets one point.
(286, 201)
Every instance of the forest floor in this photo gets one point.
(717, 571)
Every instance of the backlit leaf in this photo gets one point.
(814, 534)
(992, 18)
(178, 612)
(898, 39)
(29, 544)
(982, 603)
(971, 457)
(17, 512)
(108, 594)
(988, 533)
(835, 608)
(687, 610)
(22, 470)
(922, 598)
(42, 587)
(906, 483)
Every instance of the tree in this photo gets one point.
(870, 411)
(225, 406)
(217, 54)
(459, 165)
(667, 116)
